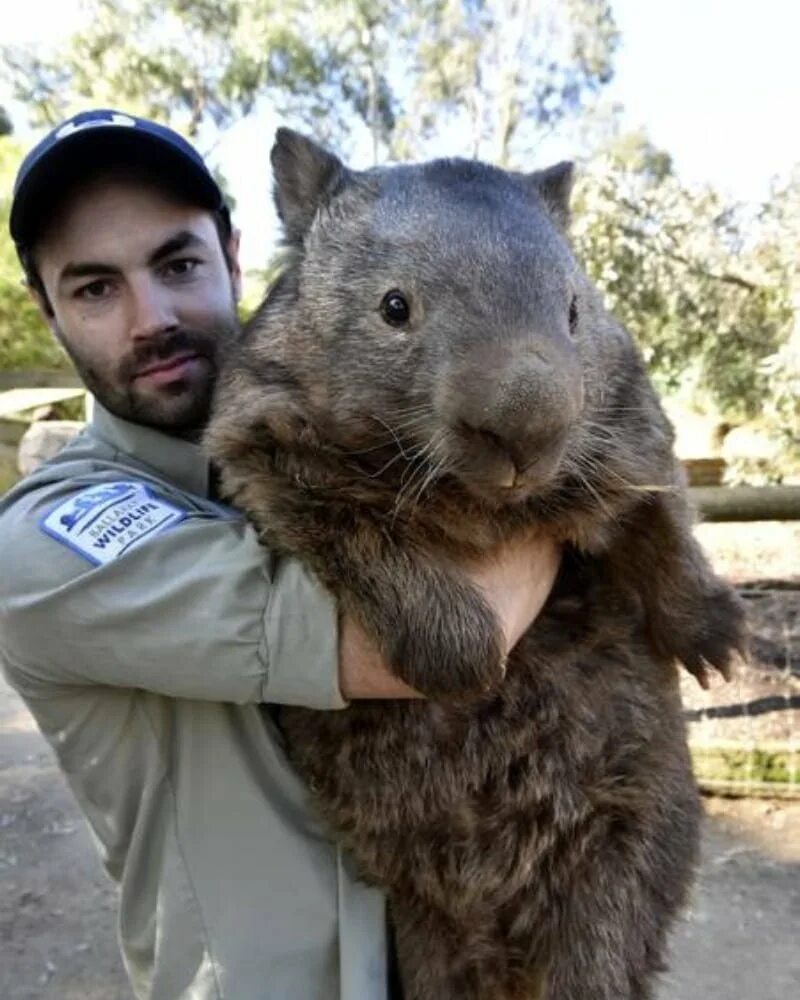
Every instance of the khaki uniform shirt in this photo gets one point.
(145, 628)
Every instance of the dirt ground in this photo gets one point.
(738, 942)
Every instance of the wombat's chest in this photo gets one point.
(557, 726)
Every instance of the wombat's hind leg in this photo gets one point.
(612, 933)
(692, 615)
(440, 960)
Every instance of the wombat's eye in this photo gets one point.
(395, 308)
(573, 317)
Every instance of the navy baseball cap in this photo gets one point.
(101, 137)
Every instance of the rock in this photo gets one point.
(44, 439)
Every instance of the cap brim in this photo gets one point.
(86, 151)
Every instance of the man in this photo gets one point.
(143, 624)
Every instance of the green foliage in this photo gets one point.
(9, 474)
(741, 766)
(779, 254)
(193, 63)
(499, 71)
(682, 271)
(25, 341)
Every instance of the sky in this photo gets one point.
(714, 82)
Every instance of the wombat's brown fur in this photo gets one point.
(431, 375)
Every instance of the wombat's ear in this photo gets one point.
(306, 177)
(554, 187)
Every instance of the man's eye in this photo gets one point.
(94, 290)
(181, 266)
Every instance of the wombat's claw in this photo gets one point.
(703, 667)
(703, 677)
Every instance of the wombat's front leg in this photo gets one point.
(435, 629)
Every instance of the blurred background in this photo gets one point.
(681, 117)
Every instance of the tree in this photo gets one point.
(497, 75)
(686, 275)
(779, 254)
(494, 72)
(25, 341)
(189, 62)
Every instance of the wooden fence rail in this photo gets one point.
(747, 503)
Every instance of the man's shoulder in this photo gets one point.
(89, 501)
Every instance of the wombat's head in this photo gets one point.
(434, 307)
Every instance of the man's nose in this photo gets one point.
(151, 310)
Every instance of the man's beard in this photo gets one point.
(180, 407)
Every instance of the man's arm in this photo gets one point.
(202, 611)
(197, 611)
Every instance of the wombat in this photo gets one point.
(432, 375)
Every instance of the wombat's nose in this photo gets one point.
(523, 446)
(520, 411)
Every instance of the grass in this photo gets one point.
(748, 768)
(8, 470)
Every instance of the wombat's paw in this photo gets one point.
(709, 634)
(451, 646)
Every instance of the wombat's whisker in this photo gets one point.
(397, 440)
(595, 495)
(367, 451)
(607, 408)
(435, 465)
(640, 487)
(422, 409)
(419, 474)
(589, 423)
(594, 467)
(593, 464)
(406, 481)
(416, 422)
(383, 468)
(429, 479)
(421, 421)
(595, 433)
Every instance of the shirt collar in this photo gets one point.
(179, 461)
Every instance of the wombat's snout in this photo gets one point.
(511, 414)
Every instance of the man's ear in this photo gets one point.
(234, 264)
(307, 177)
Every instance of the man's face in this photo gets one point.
(142, 299)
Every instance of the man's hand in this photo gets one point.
(516, 581)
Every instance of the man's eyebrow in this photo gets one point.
(184, 240)
(86, 269)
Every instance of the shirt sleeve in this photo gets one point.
(198, 610)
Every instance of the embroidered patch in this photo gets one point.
(103, 522)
